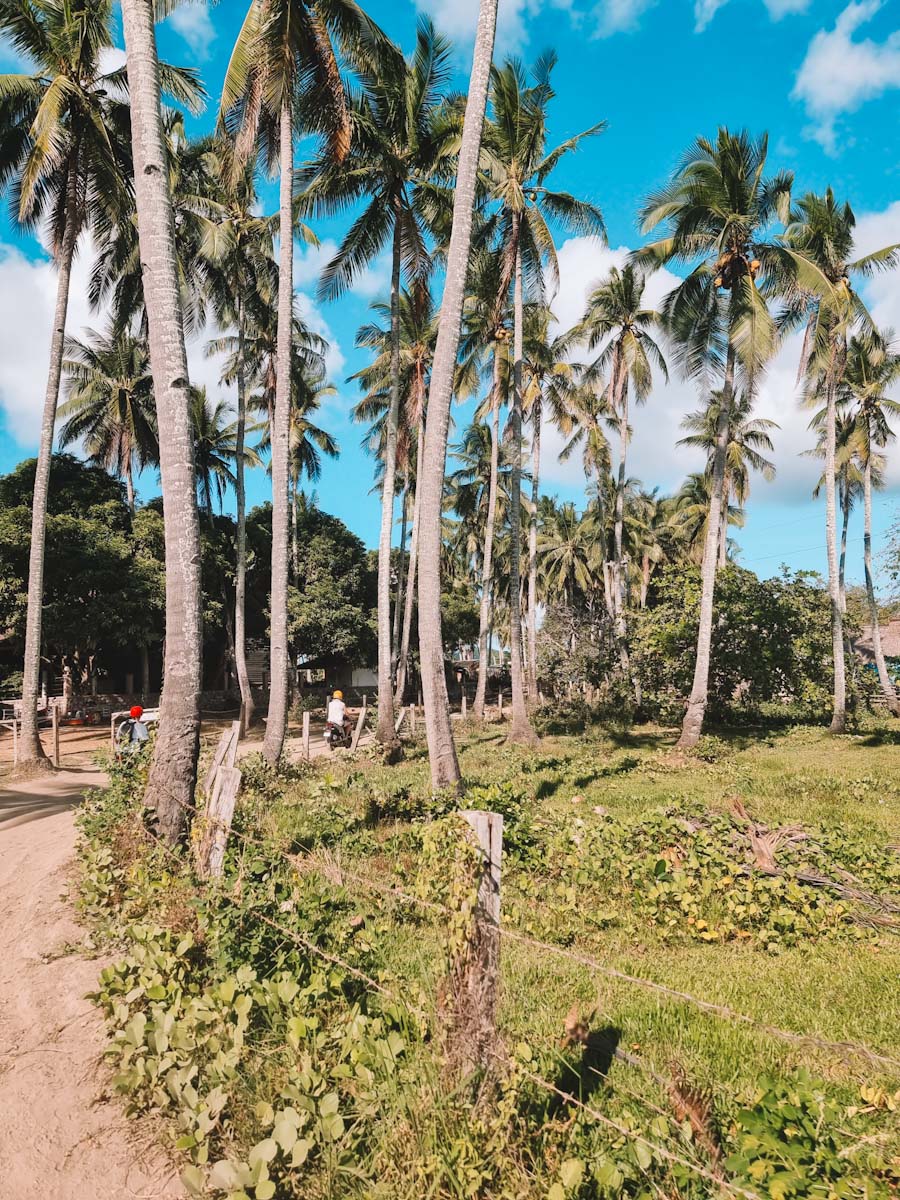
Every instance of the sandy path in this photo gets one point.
(61, 1136)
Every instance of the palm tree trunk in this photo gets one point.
(401, 577)
(411, 578)
(887, 687)
(276, 721)
(839, 712)
(30, 752)
(295, 549)
(487, 562)
(621, 628)
(240, 574)
(129, 483)
(645, 578)
(722, 557)
(385, 731)
(173, 769)
(692, 726)
(520, 726)
(536, 415)
(441, 748)
(845, 522)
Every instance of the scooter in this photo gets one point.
(337, 736)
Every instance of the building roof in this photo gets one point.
(890, 640)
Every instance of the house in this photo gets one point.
(890, 641)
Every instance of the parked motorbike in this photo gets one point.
(337, 737)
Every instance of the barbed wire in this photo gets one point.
(842, 1048)
(670, 1156)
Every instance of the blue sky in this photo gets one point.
(821, 76)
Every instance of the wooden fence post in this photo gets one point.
(54, 719)
(360, 722)
(462, 711)
(412, 719)
(500, 704)
(217, 818)
(306, 736)
(15, 724)
(401, 717)
(475, 975)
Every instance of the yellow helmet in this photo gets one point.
(338, 695)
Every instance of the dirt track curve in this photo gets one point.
(62, 1136)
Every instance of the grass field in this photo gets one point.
(619, 850)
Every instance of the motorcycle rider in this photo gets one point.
(337, 713)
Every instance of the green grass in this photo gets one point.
(616, 848)
(842, 988)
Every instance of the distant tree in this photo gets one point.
(109, 404)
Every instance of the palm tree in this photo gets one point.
(589, 412)
(215, 449)
(517, 165)
(570, 561)
(173, 770)
(283, 64)
(63, 151)
(717, 211)
(237, 245)
(691, 509)
(485, 340)
(748, 443)
(551, 381)
(616, 320)
(308, 441)
(821, 230)
(872, 367)
(441, 747)
(418, 332)
(399, 147)
(848, 477)
(109, 406)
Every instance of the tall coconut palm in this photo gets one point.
(872, 368)
(517, 166)
(63, 152)
(821, 230)
(848, 476)
(717, 212)
(570, 561)
(617, 321)
(173, 769)
(399, 147)
(308, 441)
(284, 65)
(237, 244)
(441, 747)
(551, 380)
(418, 331)
(215, 449)
(749, 441)
(109, 404)
(485, 340)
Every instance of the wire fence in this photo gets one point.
(337, 873)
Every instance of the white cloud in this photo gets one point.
(705, 10)
(27, 302)
(371, 284)
(620, 16)
(458, 19)
(653, 455)
(193, 23)
(111, 59)
(839, 73)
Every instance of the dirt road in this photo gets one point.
(61, 1136)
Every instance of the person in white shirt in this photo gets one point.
(337, 712)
